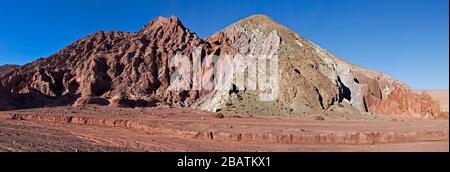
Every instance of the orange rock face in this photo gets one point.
(402, 101)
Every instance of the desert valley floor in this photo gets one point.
(97, 128)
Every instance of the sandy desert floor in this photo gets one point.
(96, 128)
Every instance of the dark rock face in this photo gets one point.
(5, 101)
(131, 69)
(6, 69)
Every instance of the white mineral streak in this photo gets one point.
(336, 67)
(261, 47)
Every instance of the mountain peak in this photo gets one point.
(258, 19)
(160, 21)
(259, 22)
(166, 20)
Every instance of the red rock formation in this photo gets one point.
(128, 69)
(133, 66)
(403, 102)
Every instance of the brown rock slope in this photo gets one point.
(5, 102)
(115, 68)
(6, 69)
(132, 69)
(312, 79)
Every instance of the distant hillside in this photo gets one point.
(5, 69)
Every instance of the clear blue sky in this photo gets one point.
(407, 39)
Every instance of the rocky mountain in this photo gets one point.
(313, 80)
(5, 102)
(106, 68)
(5, 69)
(130, 69)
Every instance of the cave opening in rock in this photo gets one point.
(234, 89)
(346, 93)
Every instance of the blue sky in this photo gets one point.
(407, 39)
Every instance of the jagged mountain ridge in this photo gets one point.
(5, 69)
(122, 65)
(131, 69)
